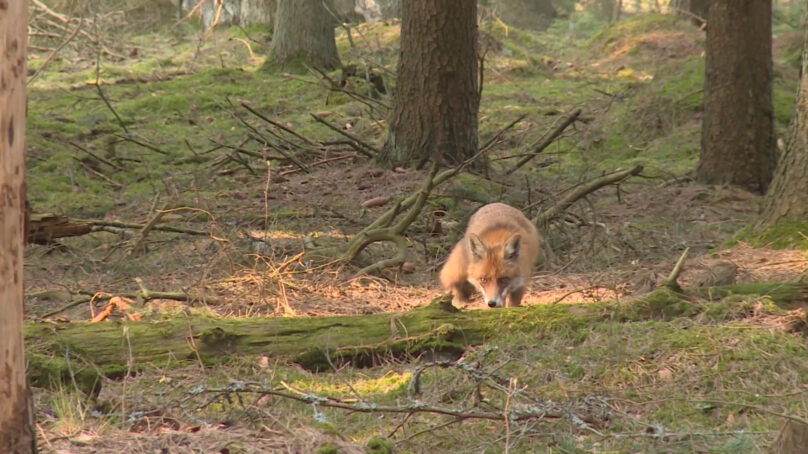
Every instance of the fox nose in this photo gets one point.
(492, 303)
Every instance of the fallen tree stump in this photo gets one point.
(44, 228)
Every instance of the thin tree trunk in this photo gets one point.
(16, 434)
(436, 97)
(737, 142)
(786, 199)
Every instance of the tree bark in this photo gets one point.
(257, 12)
(785, 200)
(436, 97)
(304, 33)
(737, 141)
(16, 434)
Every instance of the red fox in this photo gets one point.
(496, 255)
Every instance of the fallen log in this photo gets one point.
(43, 228)
(59, 352)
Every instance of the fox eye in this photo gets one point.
(502, 282)
(483, 280)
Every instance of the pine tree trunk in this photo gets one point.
(436, 97)
(786, 199)
(304, 33)
(737, 141)
(16, 434)
(257, 12)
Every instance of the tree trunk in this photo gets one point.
(785, 200)
(436, 97)
(737, 140)
(220, 12)
(258, 12)
(16, 435)
(304, 33)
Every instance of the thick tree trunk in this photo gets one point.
(436, 97)
(16, 435)
(304, 33)
(257, 12)
(737, 141)
(786, 199)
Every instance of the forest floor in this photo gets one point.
(174, 135)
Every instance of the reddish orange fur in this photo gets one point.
(492, 227)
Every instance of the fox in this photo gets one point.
(496, 256)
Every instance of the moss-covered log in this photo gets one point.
(321, 343)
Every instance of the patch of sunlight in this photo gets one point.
(364, 386)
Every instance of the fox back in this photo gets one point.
(495, 256)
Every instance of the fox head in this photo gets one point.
(494, 270)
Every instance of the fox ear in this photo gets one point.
(511, 249)
(477, 247)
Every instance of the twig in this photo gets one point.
(367, 407)
(548, 139)
(101, 92)
(144, 232)
(544, 217)
(129, 138)
(98, 158)
(670, 282)
(261, 139)
(130, 225)
(278, 124)
(319, 163)
(499, 133)
(98, 174)
(347, 134)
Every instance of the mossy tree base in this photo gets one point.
(437, 330)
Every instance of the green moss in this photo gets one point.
(661, 303)
(327, 448)
(56, 373)
(784, 235)
(378, 445)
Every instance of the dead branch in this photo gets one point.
(95, 156)
(499, 133)
(130, 225)
(670, 282)
(278, 124)
(263, 140)
(548, 139)
(394, 233)
(546, 216)
(364, 148)
(101, 92)
(319, 163)
(129, 138)
(366, 407)
(137, 246)
(55, 51)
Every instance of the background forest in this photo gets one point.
(202, 178)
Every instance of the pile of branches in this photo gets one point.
(50, 31)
